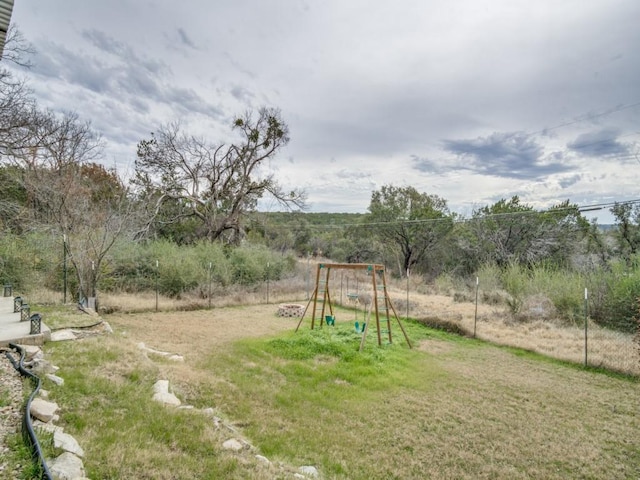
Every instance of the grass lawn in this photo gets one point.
(449, 408)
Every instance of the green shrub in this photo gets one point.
(251, 264)
(564, 288)
(20, 261)
(515, 280)
(614, 298)
(212, 256)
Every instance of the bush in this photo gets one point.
(24, 260)
(614, 297)
(515, 281)
(564, 288)
(184, 268)
(251, 264)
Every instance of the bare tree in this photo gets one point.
(217, 184)
(71, 195)
(16, 48)
(52, 160)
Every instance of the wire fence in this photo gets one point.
(582, 341)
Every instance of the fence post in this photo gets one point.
(267, 282)
(407, 294)
(209, 294)
(475, 315)
(64, 268)
(586, 334)
(157, 275)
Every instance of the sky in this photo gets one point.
(470, 100)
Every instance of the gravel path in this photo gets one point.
(11, 395)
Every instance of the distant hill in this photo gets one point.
(313, 218)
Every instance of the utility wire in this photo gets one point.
(579, 208)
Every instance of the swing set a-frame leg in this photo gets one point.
(366, 328)
(315, 292)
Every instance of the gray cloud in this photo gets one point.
(119, 49)
(188, 100)
(602, 142)
(185, 39)
(425, 165)
(242, 94)
(566, 182)
(512, 155)
(370, 92)
(347, 174)
(128, 78)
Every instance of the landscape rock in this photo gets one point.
(47, 427)
(106, 327)
(67, 443)
(161, 394)
(42, 367)
(290, 310)
(233, 444)
(263, 459)
(171, 356)
(309, 471)
(67, 467)
(32, 352)
(43, 410)
(55, 379)
(61, 335)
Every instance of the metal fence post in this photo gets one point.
(475, 315)
(586, 333)
(157, 275)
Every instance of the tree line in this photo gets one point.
(189, 189)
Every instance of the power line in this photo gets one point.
(426, 221)
(588, 117)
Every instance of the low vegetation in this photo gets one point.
(450, 408)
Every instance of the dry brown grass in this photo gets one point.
(548, 336)
(477, 411)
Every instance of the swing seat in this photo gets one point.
(360, 329)
(330, 320)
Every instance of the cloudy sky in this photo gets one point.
(471, 100)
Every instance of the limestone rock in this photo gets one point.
(309, 471)
(263, 459)
(67, 467)
(47, 427)
(55, 379)
(290, 310)
(161, 394)
(233, 444)
(107, 328)
(32, 352)
(43, 410)
(67, 443)
(171, 356)
(42, 367)
(61, 335)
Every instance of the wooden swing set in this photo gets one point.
(379, 301)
